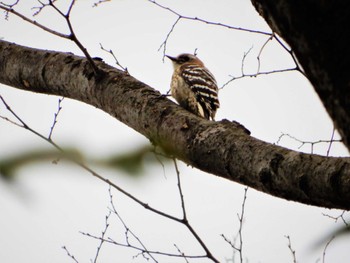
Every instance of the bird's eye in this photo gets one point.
(184, 58)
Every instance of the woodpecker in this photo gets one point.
(193, 86)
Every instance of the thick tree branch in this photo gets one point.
(317, 32)
(222, 148)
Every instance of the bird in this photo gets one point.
(193, 86)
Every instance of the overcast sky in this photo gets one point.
(49, 204)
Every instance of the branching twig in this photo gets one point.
(102, 236)
(185, 220)
(78, 162)
(239, 236)
(182, 17)
(261, 50)
(164, 44)
(291, 53)
(71, 36)
(336, 218)
(312, 143)
(256, 75)
(127, 229)
(181, 253)
(243, 60)
(143, 251)
(206, 21)
(272, 36)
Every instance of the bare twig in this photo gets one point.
(330, 142)
(185, 220)
(261, 50)
(110, 51)
(55, 117)
(197, 19)
(127, 229)
(239, 236)
(325, 249)
(312, 143)
(104, 231)
(69, 254)
(181, 253)
(232, 78)
(241, 218)
(336, 218)
(71, 36)
(35, 23)
(208, 22)
(10, 121)
(243, 60)
(100, 2)
(291, 249)
(272, 36)
(142, 249)
(291, 53)
(164, 44)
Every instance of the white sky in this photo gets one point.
(49, 204)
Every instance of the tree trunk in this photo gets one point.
(222, 148)
(318, 33)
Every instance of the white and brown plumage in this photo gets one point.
(193, 86)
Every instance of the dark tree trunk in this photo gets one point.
(319, 34)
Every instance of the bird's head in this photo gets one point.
(183, 59)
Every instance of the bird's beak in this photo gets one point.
(171, 58)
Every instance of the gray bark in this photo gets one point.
(222, 148)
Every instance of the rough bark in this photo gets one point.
(318, 34)
(222, 148)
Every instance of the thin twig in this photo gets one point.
(261, 50)
(330, 142)
(302, 143)
(71, 36)
(336, 218)
(100, 2)
(291, 249)
(127, 229)
(110, 51)
(291, 53)
(104, 231)
(261, 73)
(239, 236)
(179, 250)
(325, 249)
(55, 117)
(69, 254)
(184, 216)
(185, 220)
(164, 44)
(208, 22)
(49, 30)
(243, 60)
(142, 251)
(241, 221)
